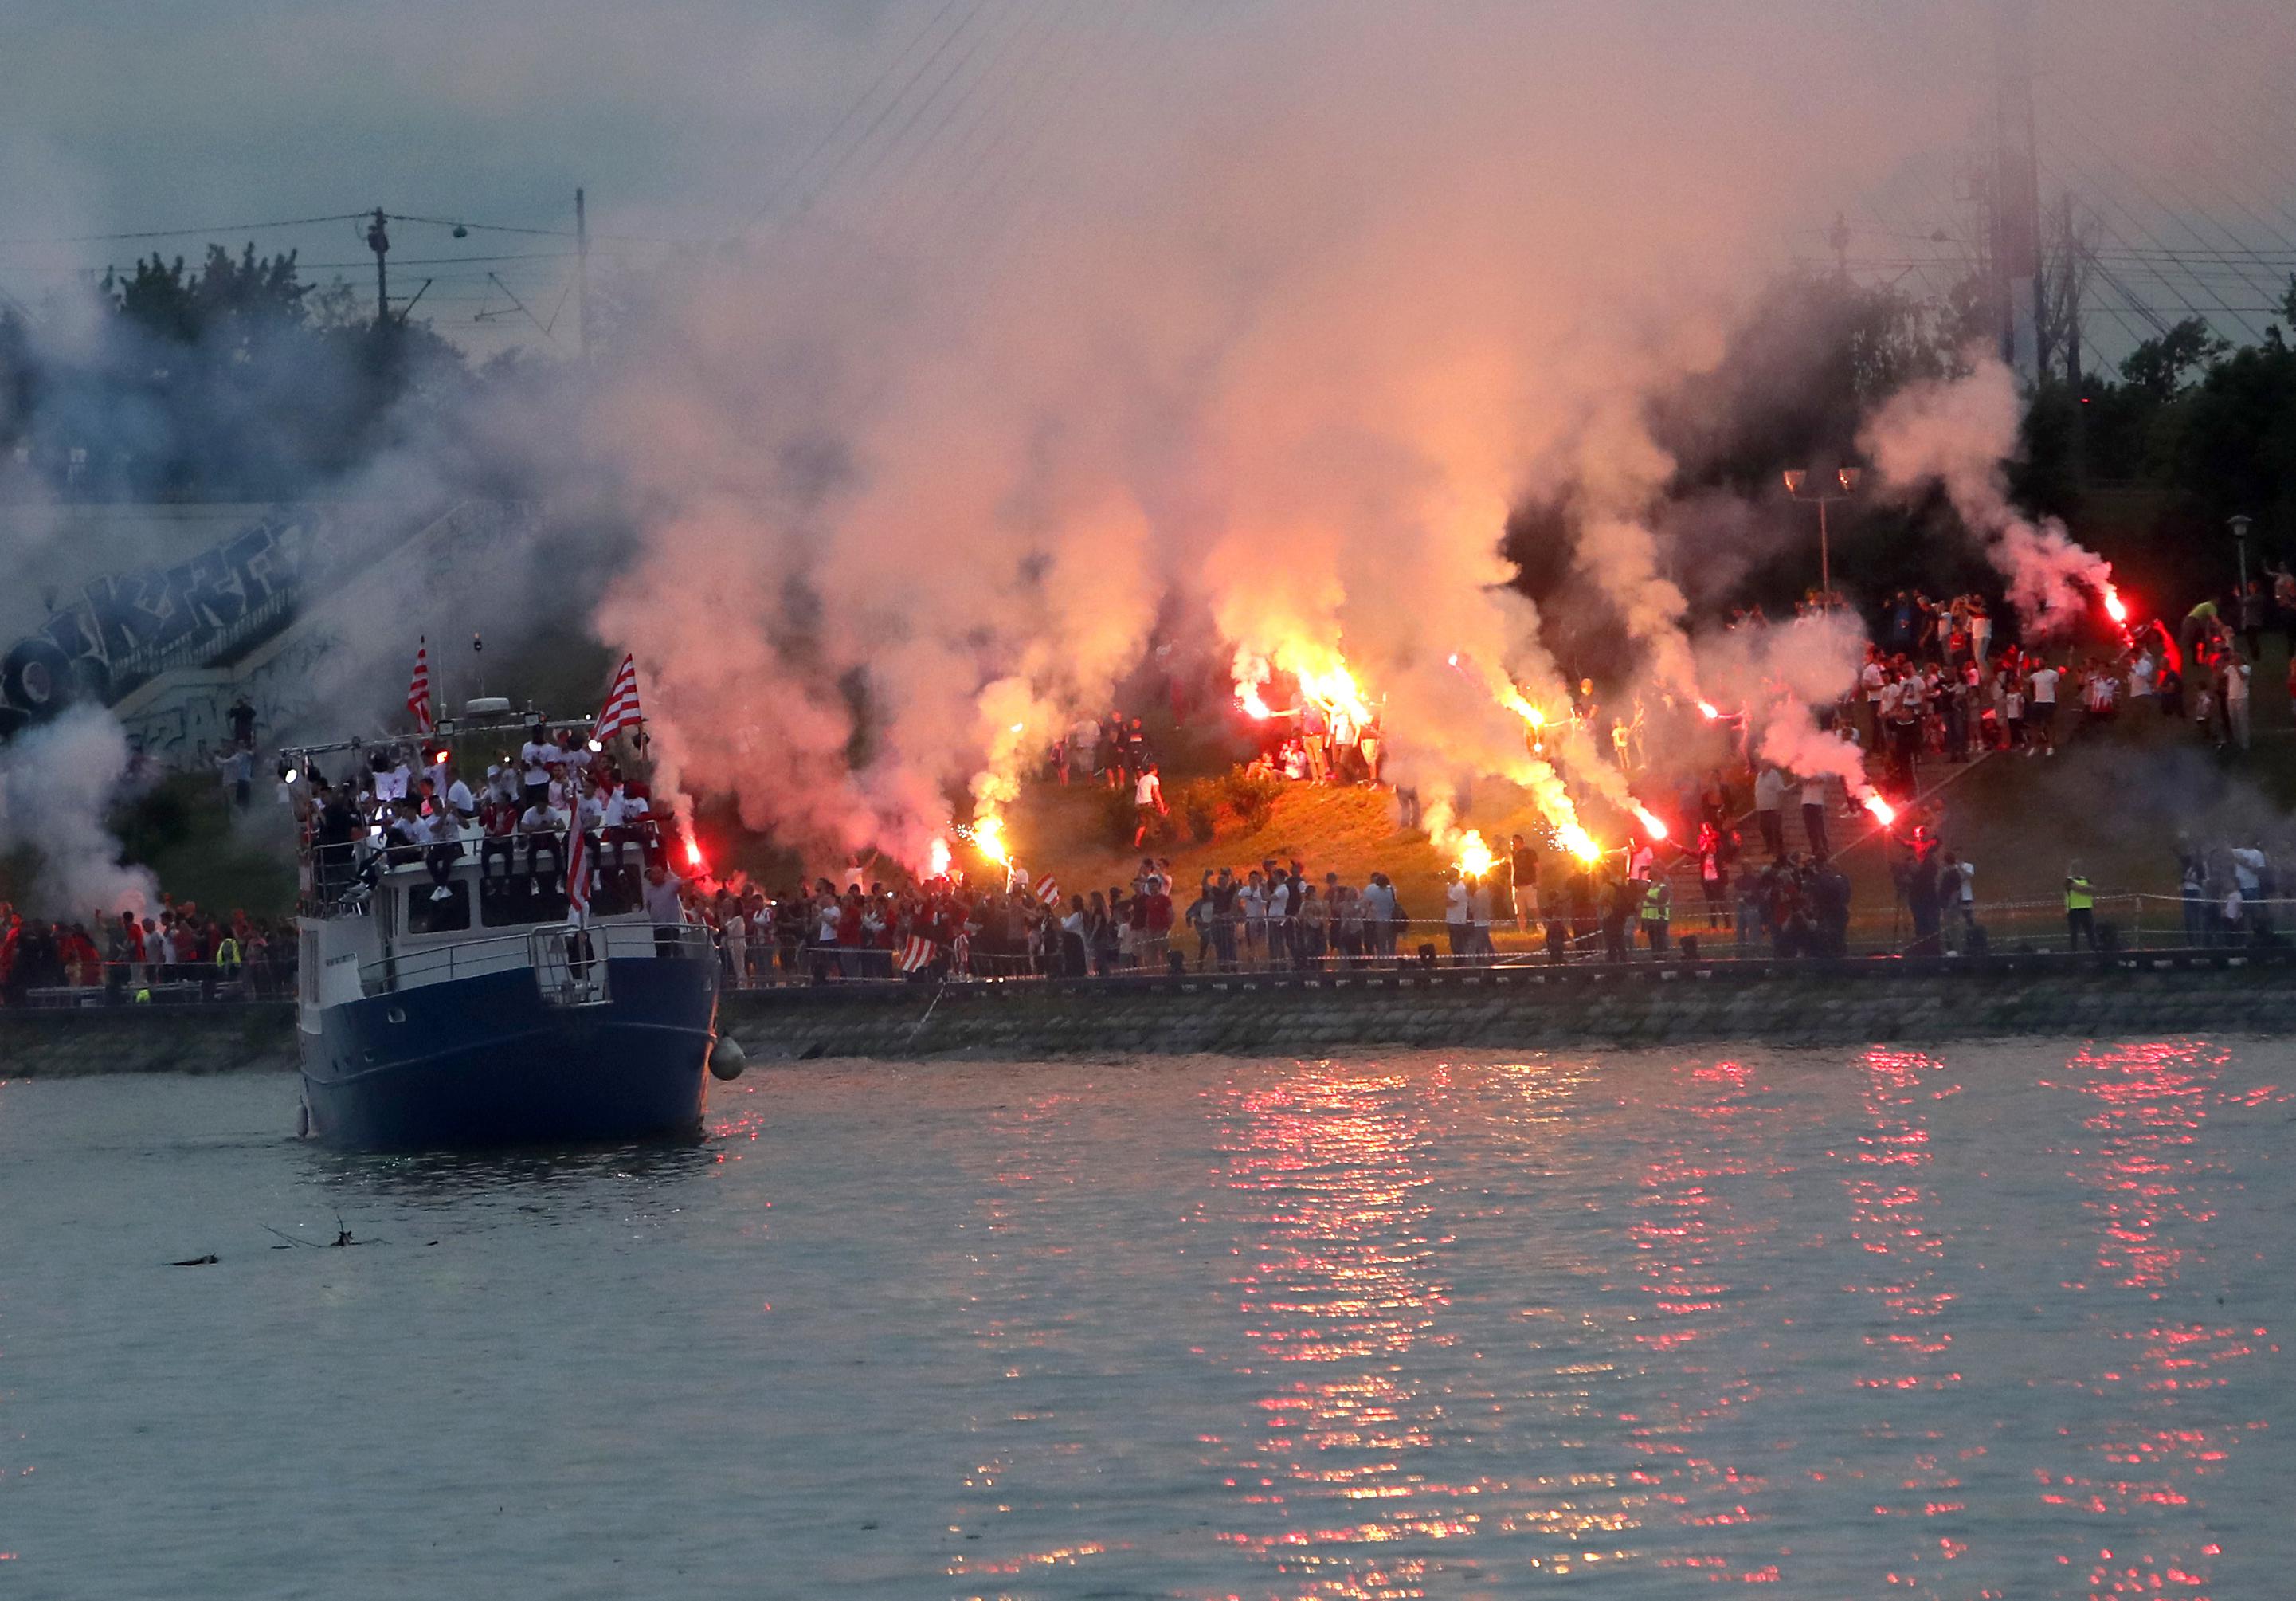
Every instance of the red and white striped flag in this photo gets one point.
(1048, 891)
(621, 711)
(577, 873)
(918, 953)
(418, 692)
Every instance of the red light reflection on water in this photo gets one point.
(1904, 1261)
(1690, 1240)
(2146, 1457)
(1339, 1296)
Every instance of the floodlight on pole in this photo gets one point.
(1847, 477)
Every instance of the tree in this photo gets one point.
(2158, 366)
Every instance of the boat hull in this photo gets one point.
(486, 1062)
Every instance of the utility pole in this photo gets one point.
(2076, 280)
(379, 242)
(2016, 183)
(581, 277)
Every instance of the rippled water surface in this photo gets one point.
(2005, 1321)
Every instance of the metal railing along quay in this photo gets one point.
(2182, 931)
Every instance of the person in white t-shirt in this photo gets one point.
(1148, 803)
(665, 908)
(543, 826)
(2041, 714)
(394, 783)
(1769, 800)
(444, 830)
(1875, 677)
(534, 758)
(2235, 699)
(454, 795)
(1813, 815)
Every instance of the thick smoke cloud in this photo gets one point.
(1297, 331)
(1254, 324)
(57, 784)
(1957, 433)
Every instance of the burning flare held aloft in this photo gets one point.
(1323, 677)
(1474, 857)
(1577, 841)
(987, 836)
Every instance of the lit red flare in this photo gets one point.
(1652, 823)
(988, 838)
(1881, 810)
(693, 853)
(1475, 857)
(1708, 710)
(1579, 842)
(2113, 607)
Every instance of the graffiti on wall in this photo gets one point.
(124, 627)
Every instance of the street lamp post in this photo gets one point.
(1847, 479)
(2239, 527)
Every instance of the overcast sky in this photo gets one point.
(683, 118)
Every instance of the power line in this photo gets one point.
(781, 190)
(236, 227)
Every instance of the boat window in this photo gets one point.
(508, 902)
(514, 899)
(427, 916)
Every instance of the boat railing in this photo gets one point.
(526, 947)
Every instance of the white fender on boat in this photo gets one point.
(726, 1058)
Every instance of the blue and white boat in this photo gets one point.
(483, 1017)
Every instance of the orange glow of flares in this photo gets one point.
(1652, 823)
(694, 855)
(1323, 676)
(1250, 673)
(1474, 857)
(2114, 607)
(1334, 688)
(1883, 812)
(988, 838)
(937, 860)
(1708, 710)
(1516, 702)
(1579, 842)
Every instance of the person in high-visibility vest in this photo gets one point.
(1658, 914)
(2080, 908)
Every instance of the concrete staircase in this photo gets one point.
(180, 717)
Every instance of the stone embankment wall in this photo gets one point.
(146, 1040)
(1526, 1008)
(1908, 1003)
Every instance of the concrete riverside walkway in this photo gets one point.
(1914, 1003)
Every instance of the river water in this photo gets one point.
(2003, 1321)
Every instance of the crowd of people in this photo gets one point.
(1279, 916)
(178, 951)
(390, 811)
(1936, 686)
